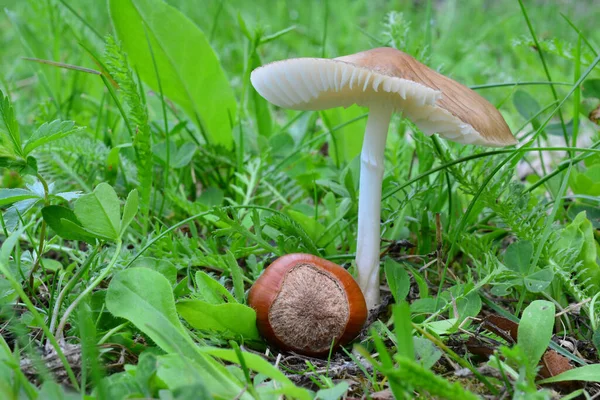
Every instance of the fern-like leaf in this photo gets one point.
(118, 67)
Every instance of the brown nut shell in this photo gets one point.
(304, 303)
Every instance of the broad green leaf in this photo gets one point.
(591, 88)
(539, 280)
(81, 231)
(9, 196)
(190, 73)
(9, 244)
(535, 329)
(99, 211)
(403, 330)
(55, 217)
(212, 291)
(233, 318)
(49, 132)
(587, 373)
(165, 267)
(518, 256)
(586, 183)
(184, 155)
(443, 327)
(525, 104)
(260, 365)
(179, 373)
(178, 157)
(144, 297)
(427, 354)
(130, 209)
(397, 279)
(335, 393)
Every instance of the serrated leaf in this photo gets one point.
(7, 116)
(50, 132)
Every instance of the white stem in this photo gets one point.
(369, 203)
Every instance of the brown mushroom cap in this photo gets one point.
(385, 76)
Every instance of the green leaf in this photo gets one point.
(518, 256)
(178, 157)
(261, 366)
(9, 121)
(9, 196)
(99, 211)
(335, 393)
(211, 291)
(403, 330)
(165, 267)
(180, 373)
(237, 319)
(535, 330)
(398, 279)
(145, 298)
(539, 280)
(581, 227)
(130, 209)
(346, 143)
(525, 104)
(9, 244)
(260, 107)
(190, 73)
(49, 132)
(591, 88)
(237, 276)
(55, 217)
(587, 373)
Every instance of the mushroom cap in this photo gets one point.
(385, 77)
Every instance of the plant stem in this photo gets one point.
(69, 286)
(369, 203)
(38, 257)
(96, 282)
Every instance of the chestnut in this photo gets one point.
(304, 303)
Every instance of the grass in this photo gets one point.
(131, 235)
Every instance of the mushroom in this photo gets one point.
(307, 304)
(384, 80)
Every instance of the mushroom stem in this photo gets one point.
(369, 203)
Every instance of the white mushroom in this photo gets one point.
(384, 80)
